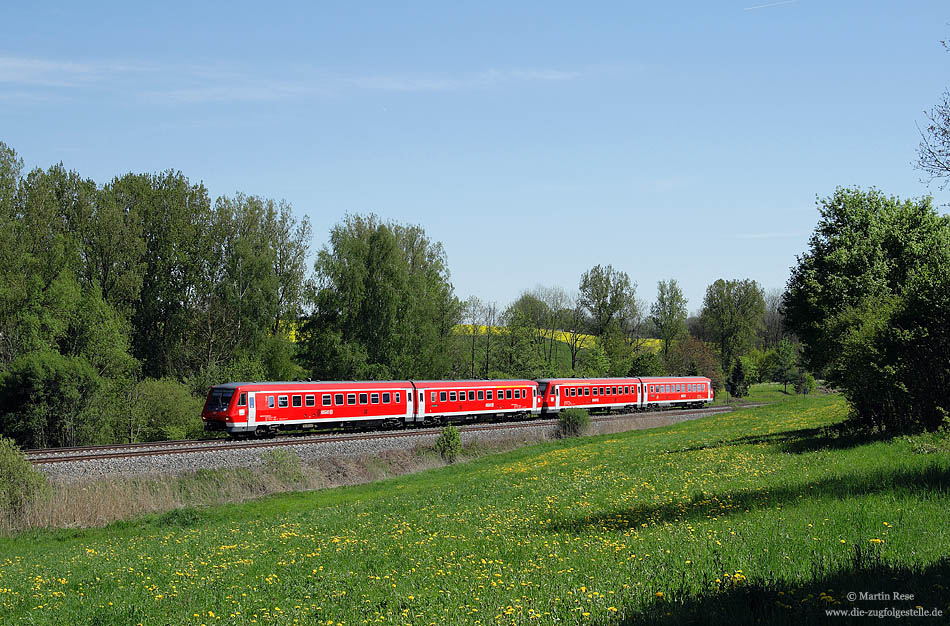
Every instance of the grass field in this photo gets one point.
(746, 517)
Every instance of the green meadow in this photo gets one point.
(756, 516)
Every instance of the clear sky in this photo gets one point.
(683, 140)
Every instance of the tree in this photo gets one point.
(474, 310)
(490, 311)
(605, 293)
(692, 357)
(737, 385)
(174, 213)
(869, 302)
(669, 313)
(42, 396)
(933, 153)
(732, 312)
(772, 330)
(382, 304)
(784, 364)
(576, 327)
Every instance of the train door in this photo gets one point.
(421, 405)
(557, 397)
(251, 411)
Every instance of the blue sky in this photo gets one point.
(683, 140)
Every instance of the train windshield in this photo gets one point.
(219, 399)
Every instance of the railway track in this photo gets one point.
(119, 451)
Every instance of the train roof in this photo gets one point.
(286, 383)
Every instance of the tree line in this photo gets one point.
(122, 303)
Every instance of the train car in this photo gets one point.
(444, 401)
(268, 407)
(594, 394)
(671, 391)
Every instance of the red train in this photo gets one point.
(263, 408)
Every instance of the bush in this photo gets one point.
(283, 465)
(20, 483)
(164, 409)
(573, 422)
(805, 383)
(449, 444)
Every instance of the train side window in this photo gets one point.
(282, 402)
(517, 394)
(310, 400)
(481, 394)
(471, 395)
(364, 398)
(242, 399)
(327, 399)
(338, 399)
(679, 388)
(387, 398)
(507, 394)
(573, 391)
(451, 396)
(489, 394)
(351, 398)
(613, 390)
(626, 389)
(595, 391)
(297, 401)
(432, 397)
(586, 391)
(396, 397)
(374, 398)
(441, 396)
(270, 402)
(252, 402)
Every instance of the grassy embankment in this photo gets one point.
(740, 517)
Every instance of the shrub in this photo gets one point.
(573, 422)
(805, 383)
(164, 409)
(283, 465)
(449, 444)
(20, 483)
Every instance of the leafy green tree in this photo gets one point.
(42, 396)
(606, 293)
(517, 354)
(869, 301)
(804, 383)
(382, 304)
(732, 312)
(175, 215)
(669, 313)
(594, 362)
(646, 363)
(784, 363)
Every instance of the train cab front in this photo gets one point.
(220, 412)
